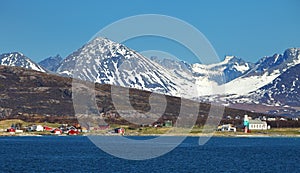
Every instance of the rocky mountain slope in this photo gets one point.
(264, 72)
(283, 91)
(35, 96)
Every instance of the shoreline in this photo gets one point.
(225, 135)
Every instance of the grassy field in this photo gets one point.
(4, 124)
(283, 131)
(198, 131)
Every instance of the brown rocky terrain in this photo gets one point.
(36, 96)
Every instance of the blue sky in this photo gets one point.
(248, 29)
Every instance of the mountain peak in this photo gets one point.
(19, 60)
(57, 56)
(13, 54)
(104, 61)
(51, 63)
(293, 53)
(103, 48)
(101, 41)
(229, 58)
(293, 49)
(99, 38)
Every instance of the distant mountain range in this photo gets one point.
(272, 82)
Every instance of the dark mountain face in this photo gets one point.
(51, 63)
(17, 59)
(284, 90)
(270, 62)
(32, 94)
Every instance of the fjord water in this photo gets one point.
(78, 154)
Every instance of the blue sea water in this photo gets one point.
(78, 154)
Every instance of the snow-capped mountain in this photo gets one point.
(51, 63)
(280, 97)
(263, 73)
(277, 62)
(232, 67)
(212, 78)
(106, 62)
(207, 78)
(19, 60)
(284, 90)
(271, 86)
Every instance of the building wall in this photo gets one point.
(260, 126)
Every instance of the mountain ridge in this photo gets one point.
(106, 62)
(230, 81)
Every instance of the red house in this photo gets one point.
(120, 131)
(57, 131)
(12, 130)
(46, 128)
(73, 132)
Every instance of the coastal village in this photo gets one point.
(17, 128)
(247, 125)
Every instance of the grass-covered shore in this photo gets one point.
(198, 131)
(156, 131)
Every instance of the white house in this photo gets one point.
(227, 127)
(39, 128)
(258, 125)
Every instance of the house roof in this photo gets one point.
(256, 122)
